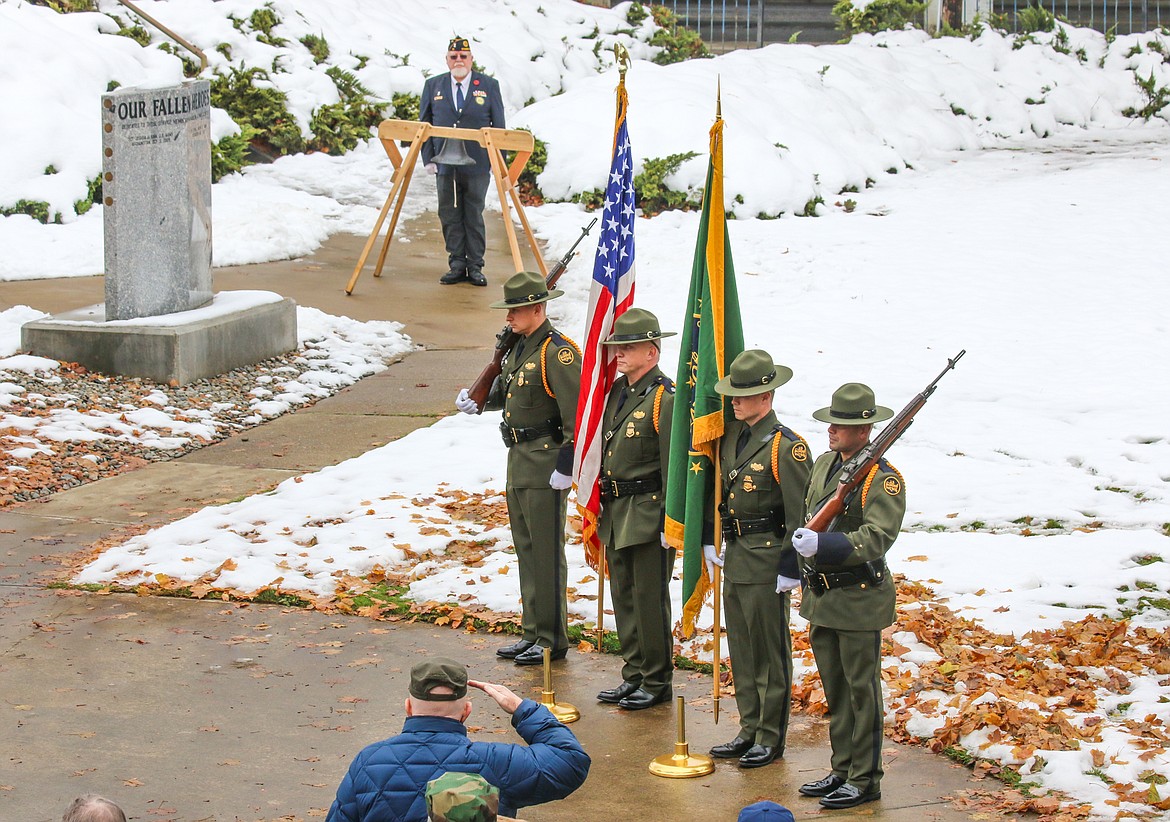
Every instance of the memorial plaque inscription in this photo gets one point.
(156, 181)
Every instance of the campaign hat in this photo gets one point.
(853, 404)
(751, 373)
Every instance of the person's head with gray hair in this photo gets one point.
(93, 808)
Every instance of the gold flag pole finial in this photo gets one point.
(621, 56)
(680, 764)
(563, 711)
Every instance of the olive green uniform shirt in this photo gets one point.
(751, 490)
(637, 440)
(539, 381)
(871, 523)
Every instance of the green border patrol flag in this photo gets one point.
(712, 337)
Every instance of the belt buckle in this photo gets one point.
(515, 437)
(824, 581)
(613, 489)
(738, 527)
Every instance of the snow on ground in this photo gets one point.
(46, 409)
(1023, 224)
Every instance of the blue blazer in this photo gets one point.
(483, 107)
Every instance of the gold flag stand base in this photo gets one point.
(680, 764)
(563, 711)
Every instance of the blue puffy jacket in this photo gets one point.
(387, 781)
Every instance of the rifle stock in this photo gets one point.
(854, 472)
(507, 338)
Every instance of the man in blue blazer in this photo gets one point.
(464, 99)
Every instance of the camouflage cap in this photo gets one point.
(462, 797)
(438, 673)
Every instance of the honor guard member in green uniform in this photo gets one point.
(633, 467)
(765, 469)
(537, 390)
(848, 597)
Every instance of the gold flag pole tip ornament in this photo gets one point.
(562, 711)
(681, 764)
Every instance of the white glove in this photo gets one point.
(805, 542)
(662, 539)
(784, 583)
(559, 481)
(465, 403)
(431, 168)
(712, 559)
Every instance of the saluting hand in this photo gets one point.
(503, 697)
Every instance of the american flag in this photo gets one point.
(611, 294)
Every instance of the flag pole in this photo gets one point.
(717, 582)
(717, 585)
(600, 594)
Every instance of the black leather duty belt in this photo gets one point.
(742, 526)
(612, 489)
(515, 436)
(871, 573)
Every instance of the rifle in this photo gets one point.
(507, 338)
(854, 472)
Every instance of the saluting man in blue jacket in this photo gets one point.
(461, 98)
(387, 781)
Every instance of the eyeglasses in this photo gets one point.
(460, 56)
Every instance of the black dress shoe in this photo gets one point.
(514, 650)
(452, 277)
(641, 698)
(616, 695)
(848, 796)
(535, 656)
(731, 750)
(758, 756)
(822, 787)
(477, 278)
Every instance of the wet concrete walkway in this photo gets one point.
(201, 710)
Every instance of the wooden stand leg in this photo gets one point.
(403, 170)
(370, 242)
(500, 173)
(393, 222)
(528, 232)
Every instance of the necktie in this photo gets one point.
(459, 96)
(741, 443)
(621, 401)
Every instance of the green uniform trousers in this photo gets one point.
(761, 660)
(850, 667)
(537, 517)
(639, 579)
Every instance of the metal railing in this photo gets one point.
(723, 24)
(1120, 16)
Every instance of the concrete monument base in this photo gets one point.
(236, 328)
